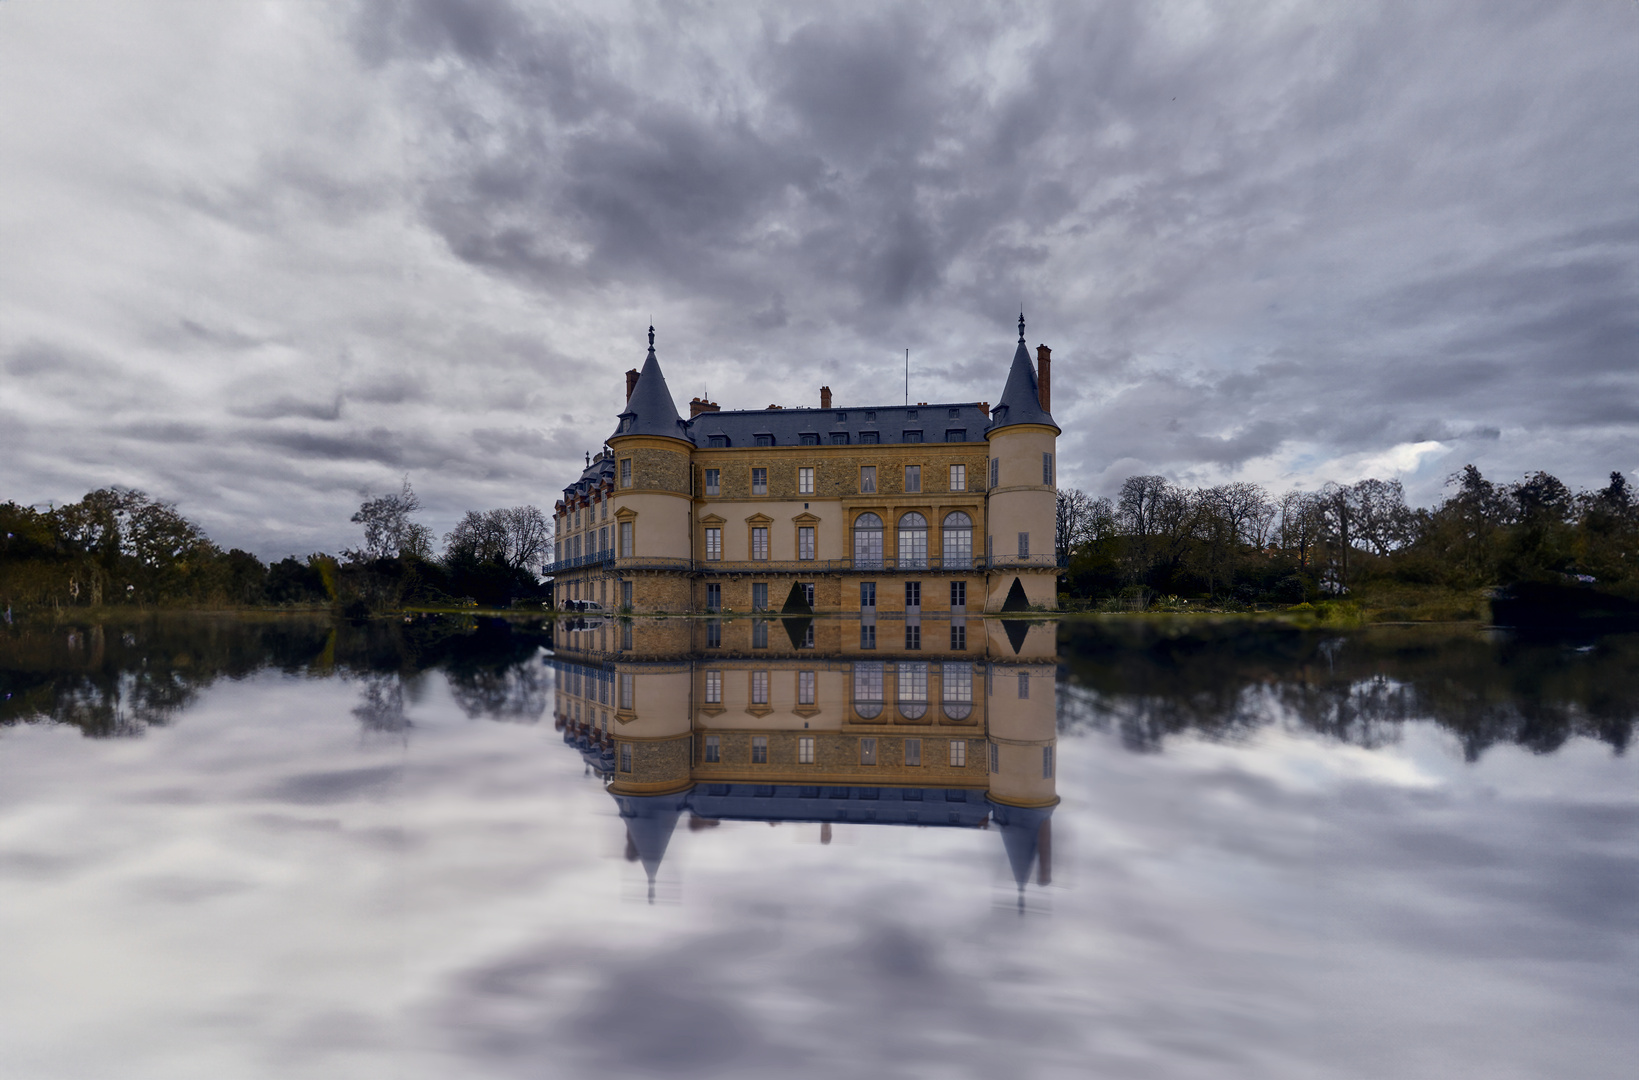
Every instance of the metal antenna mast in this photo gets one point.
(907, 376)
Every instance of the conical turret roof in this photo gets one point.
(650, 410)
(1021, 398)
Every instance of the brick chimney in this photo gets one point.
(700, 405)
(1044, 376)
(825, 397)
(631, 383)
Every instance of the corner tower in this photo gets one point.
(652, 507)
(1022, 498)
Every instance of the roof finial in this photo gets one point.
(1021, 326)
(651, 335)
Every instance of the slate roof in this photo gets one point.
(1021, 398)
(650, 410)
(890, 423)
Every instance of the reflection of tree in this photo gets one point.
(119, 681)
(516, 693)
(381, 704)
(1147, 684)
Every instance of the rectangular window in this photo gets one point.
(714, 635)
(956, 435)
(994, 462)
(628, 691)
(759, 749)
(956, 686)
(958, 753)
(958, 636)
(1047, 469)
(626, 602)
(714, 484)
(759, 688)
(759, 543)
(626, 539)
(626, 757)
(913, 751)
(714, 688)
(1024, 545)
(603, 539)
(867, 635)
(714, 748)
(714, 597)
(759, 596)
(913, 436)
(867, 751)
(913, 478)
(913, 636)
(626, 627)
(1047, 763)
(625, 472)
(995, 758)
(805, 481)
(867, 595)
(1024, 685)
(605, 509)
(958, 595)
(759, 481)
(958, 478)
(805, 688)
(808, 593)
(867, 479)
(805, 750)
(805, 543)
(913, 594)
(759, 633)
(868, 682)
(714, 544)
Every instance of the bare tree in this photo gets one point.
(517, 537)
(388, 530)
(1300, 525)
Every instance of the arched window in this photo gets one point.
(913, 542)
(957, 681)
(868, 542)
(958, 547)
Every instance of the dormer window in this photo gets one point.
(910, 414)
(839, 438)
(718, 440)
(625, 423)
(809, 438)
(765, 440)
(956, 435)
(870, 416)
(913, 436)
(869, 438)
(842, 416)
(955, 413)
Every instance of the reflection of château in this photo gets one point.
(817, 720)
(941, 507)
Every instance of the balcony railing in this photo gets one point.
(931, 564)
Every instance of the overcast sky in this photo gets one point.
(264, 259)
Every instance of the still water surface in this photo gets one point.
(292, 849)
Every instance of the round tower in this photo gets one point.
(1021, 491)
(652, 504)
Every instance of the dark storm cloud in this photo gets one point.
(1266, 244)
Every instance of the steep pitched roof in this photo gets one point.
(650, 410)
(1021, 399)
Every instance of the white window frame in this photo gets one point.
(867, 479)
(958, 753)
(805, 542)
(805, 481)
(913, 479)
(807, 686)
(625, 472)
(714, 482)
(958, 478)
(805, 750)
(759, 688)
(759, 543)
(714, 688)
(759, 481)
(714, 543)
(627, 537)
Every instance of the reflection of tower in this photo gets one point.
(649, 823)
(1023, 767)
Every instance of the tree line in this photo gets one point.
(1240, 543)
(119, 546)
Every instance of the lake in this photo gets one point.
(445, 847)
